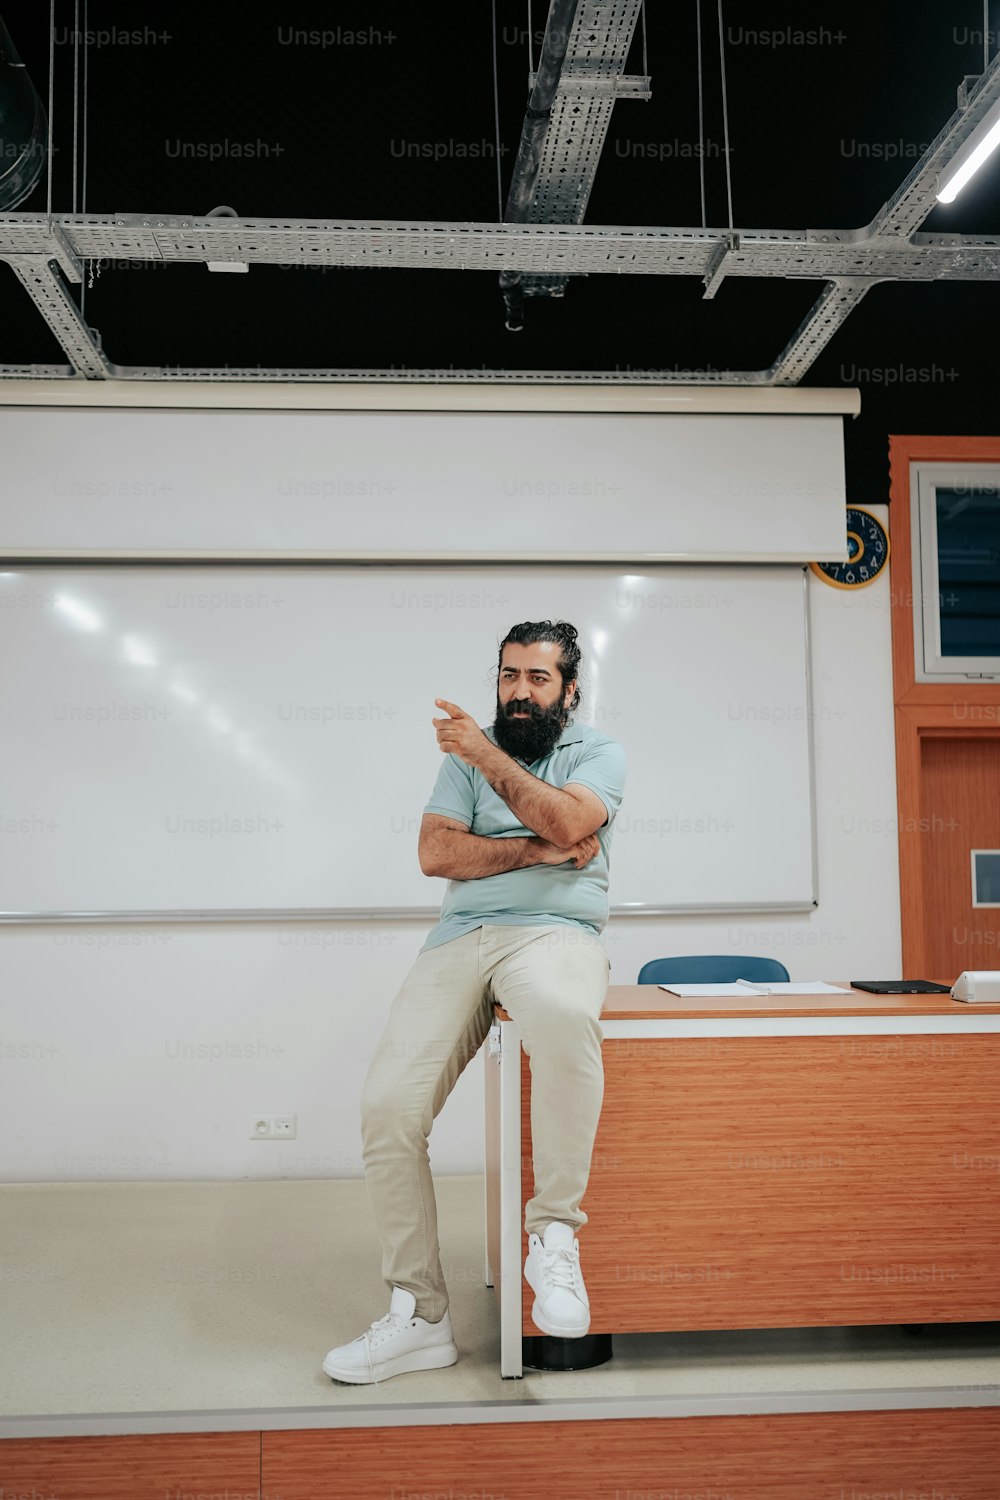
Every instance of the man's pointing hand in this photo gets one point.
(459, 734)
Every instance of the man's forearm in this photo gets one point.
(470, 856)
(540, 807)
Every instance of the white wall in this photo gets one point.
(143, 1052)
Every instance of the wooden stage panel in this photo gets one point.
(949, 1454)
(140, 1467)
(743, 1182)
(943, 1454)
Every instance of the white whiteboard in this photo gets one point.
(238, 740)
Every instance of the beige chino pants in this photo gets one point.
(552, 981)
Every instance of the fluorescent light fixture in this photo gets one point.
(970, 156)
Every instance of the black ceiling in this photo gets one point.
(829, 107)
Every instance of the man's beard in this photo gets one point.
(528, 739)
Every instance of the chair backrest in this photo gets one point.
(710, 968)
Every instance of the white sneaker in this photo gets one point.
(552, 1270)
(393, 1345)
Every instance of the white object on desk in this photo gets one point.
(745, 988)
(978, 986)
(803, 987)
(693, 990)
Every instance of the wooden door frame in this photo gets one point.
(924, 709)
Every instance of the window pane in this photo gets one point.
(968, 527)
(986, 877)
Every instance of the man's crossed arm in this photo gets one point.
(446, 847)
(564, 815)
(565, 819)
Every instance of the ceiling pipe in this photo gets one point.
(562, 14)
(23, 128)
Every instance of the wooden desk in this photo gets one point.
(788, 1162)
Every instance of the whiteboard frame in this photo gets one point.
(432, 913)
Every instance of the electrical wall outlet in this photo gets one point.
(273, 1128)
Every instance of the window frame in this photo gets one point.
(929, 664)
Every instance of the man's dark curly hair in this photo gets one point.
(560, 631)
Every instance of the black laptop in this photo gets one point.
(901, 986)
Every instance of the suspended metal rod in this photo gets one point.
(562, 14)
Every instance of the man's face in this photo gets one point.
(531, 701)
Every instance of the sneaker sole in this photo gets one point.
(547, 1326)
(403, 1364)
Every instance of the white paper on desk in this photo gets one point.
(760, 991)
(741, 987)
(805, 987)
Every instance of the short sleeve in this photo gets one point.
(602, 770)
(453, 795)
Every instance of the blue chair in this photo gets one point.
(710, 968)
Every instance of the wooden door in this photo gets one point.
(946, 733)
(959, 811)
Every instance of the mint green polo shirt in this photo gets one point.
(538, 894)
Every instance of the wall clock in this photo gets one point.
(868, 542)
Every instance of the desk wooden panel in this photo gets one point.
(790, 1181)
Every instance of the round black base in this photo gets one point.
(545, 1353)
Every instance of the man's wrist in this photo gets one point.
(491, 758)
